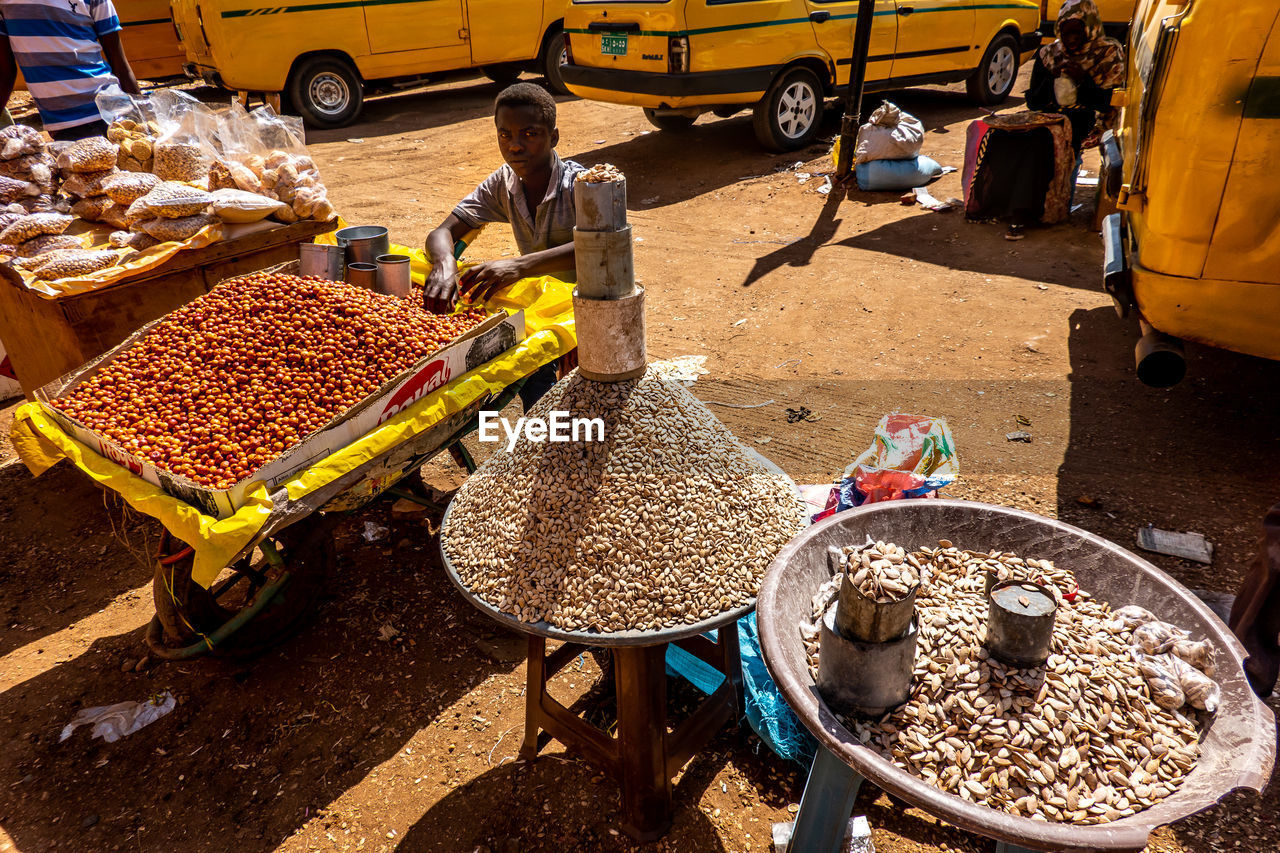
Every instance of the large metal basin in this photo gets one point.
(1238, 747)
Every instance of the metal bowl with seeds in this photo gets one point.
(1236, 746)
(663, 528)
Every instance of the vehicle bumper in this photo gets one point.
(1237, 315)
(647, 89)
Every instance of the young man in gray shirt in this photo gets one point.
(533, 192)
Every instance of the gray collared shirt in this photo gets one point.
(500, 198)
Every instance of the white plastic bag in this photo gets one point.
(238, 206)
(112, 722)
(890, 134)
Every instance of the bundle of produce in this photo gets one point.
(1083, 739)
(34, 234)
(291, 178)
(27, 174)
(664, 520)
(86, 166)
(237, 377)
(70, 263)
(171, 211)
(137, 140)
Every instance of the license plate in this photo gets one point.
(613, 45)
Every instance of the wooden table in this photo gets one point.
(47, 336)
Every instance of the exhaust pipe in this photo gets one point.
(1160, 358)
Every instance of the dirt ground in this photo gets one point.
(392, 721)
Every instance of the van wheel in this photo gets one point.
(327, 91)
(503, 74)
(993, 80)
(673, 122)
(791, 111)
(556, 56)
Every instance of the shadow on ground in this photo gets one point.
(1202, 456)
(256, 748)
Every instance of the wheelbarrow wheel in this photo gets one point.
(252, 605)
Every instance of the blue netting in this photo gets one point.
(767, 711)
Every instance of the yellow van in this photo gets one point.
(680, 58)
(325, 55)
(149, 38)
(1195, 247)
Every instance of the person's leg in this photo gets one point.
(1255, 615)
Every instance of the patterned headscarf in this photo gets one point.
(1102, 58)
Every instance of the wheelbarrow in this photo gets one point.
(1237, 746)
(267, 588)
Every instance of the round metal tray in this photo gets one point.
(1238, 744)
(605, 638)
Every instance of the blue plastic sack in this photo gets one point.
(766, 710)
(897, 175)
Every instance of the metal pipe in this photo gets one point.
(1160, 358)
(852, 119)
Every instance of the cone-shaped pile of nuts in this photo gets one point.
(667, 521)
(1078, 740)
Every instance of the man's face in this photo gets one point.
(526, 143)
(1072, 34)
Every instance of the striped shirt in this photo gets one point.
(55, 44)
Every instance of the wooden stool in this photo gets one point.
(643, 757)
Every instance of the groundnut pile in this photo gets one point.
(230, 381)
(1079, 739)
(666, 521)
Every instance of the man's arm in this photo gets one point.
(479, 282)
(440, 292)
(113, 50)
(8, 69)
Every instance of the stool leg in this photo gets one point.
(825, 805)
(641, 677)
(729, 644)
(535, 686)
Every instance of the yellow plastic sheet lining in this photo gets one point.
(548, 307)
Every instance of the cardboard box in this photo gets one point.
(483, 343)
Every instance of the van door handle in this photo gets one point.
(820, 17)
(613, 27)
(905, 10)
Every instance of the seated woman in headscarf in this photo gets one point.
(1076, 74)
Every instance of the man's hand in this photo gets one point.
(479, 282)
(440, 292)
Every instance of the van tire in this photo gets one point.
(994, 77)
(670, 122)
(790, 114)
(326, 91)
(554, 56)
(504, 74)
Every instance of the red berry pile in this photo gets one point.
(235, 378)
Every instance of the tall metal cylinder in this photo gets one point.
(608, 307)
